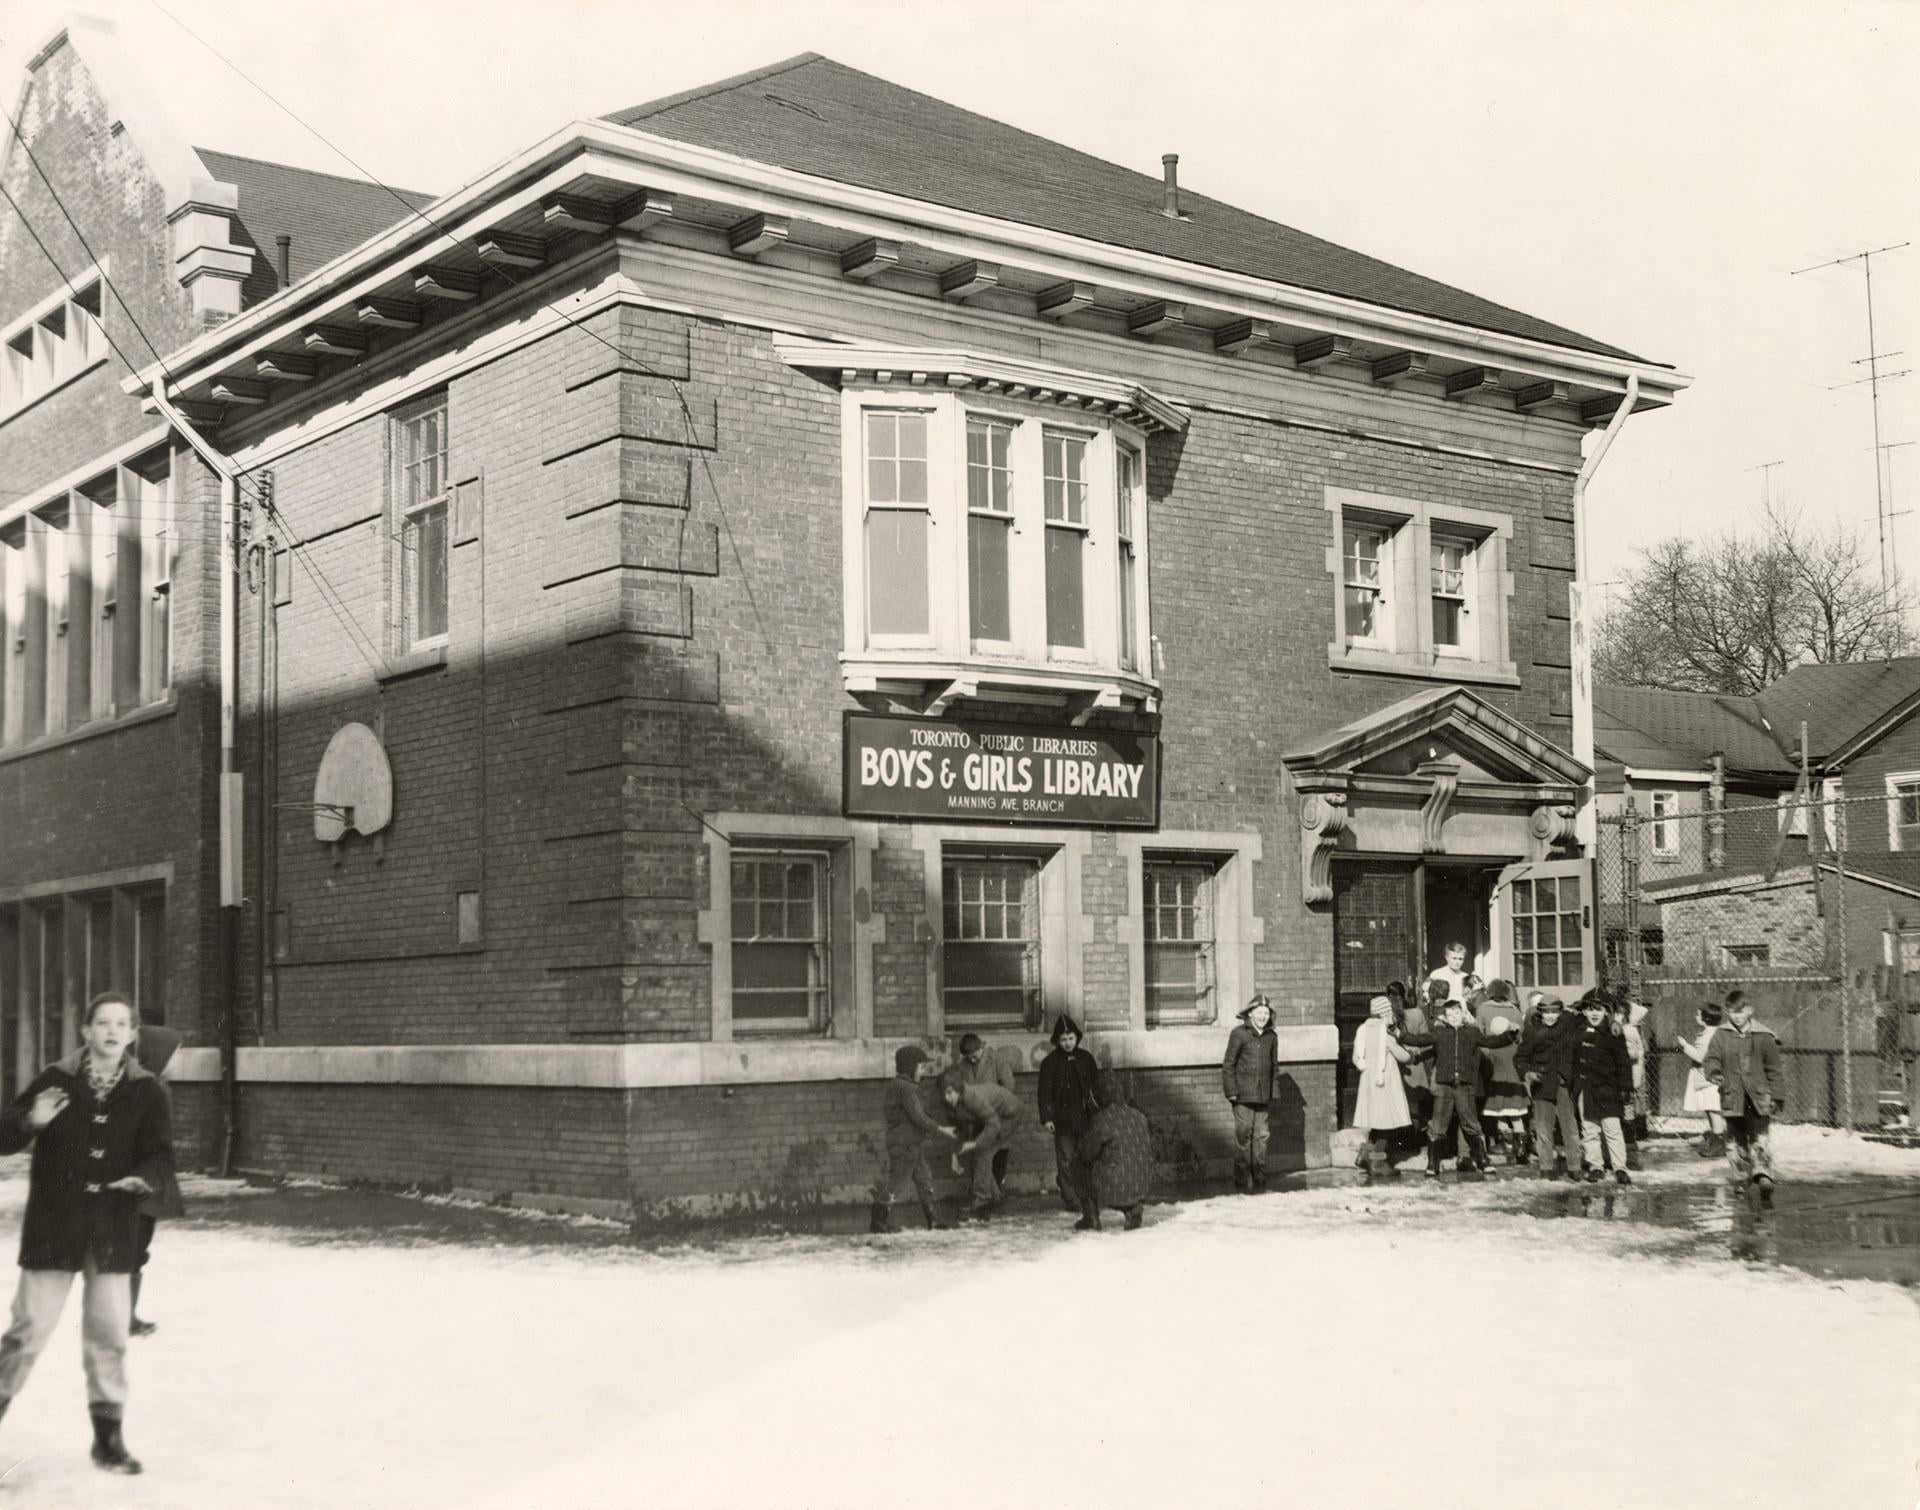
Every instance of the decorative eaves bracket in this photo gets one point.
(1551, 830)
(1444, 776)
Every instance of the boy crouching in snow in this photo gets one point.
(995, 1114)
(907, 1124)
(1118, 1152)
(1743, 1060)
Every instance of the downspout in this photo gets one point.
(1580, 604)
(231, 782)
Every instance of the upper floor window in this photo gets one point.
(54, 344)
(86, 588)
(1420, 588)
(989, 536)
(422, 496)
(1903, 811)
(1663, 832)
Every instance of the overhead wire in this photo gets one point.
(349, 623)
(686, 410)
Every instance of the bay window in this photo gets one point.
(995, 527)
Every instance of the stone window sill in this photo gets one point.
(414, 663)
(1425, 667)
(146, 713)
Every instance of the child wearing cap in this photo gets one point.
(903, 1159)
(1246, 1076)
(1381, 1106)
(1602, 1085)
(1456, 1042)
(994, 1114)
(1743, 1061)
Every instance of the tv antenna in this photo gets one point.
(1873, 378)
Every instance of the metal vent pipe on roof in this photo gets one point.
(1170, 166)
(283, 245)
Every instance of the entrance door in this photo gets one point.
(1376, 939)
(1543, 928)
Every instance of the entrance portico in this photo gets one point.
(1437, 820)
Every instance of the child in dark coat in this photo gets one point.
(1247, 1078)
(101, 1142)
(1743, 1063)
(1456, 1042)
(1118, 1148)
(907, 1122)
(1068, 1078)
(1602, 1085)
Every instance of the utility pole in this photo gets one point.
(1893, 533)
(1872, 359)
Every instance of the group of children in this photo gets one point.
(1103, 1147)
(1577, 1076)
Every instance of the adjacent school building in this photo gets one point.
(779, 572)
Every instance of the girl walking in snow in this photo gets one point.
(101, 1141)
(1381, 1107)
(1702, 1096)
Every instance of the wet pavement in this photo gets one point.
(1856, 1227)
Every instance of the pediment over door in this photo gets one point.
(1441, 772)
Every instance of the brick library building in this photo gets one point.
(550, 685)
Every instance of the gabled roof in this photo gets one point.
(1839, 703)
(325, 214)
(815, 116)
(1401, 734)
(1652, 728)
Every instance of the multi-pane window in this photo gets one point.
(1547, 932)
(1451, 566)
(103, 565)
(781, 949)
(990, 955)
(1363, 556)
(989, 527)
(421, 450)
(1663, 832)
(898, 513)
(56, 542)
(1127, 519)
(48, 348)
(1903, 813)
(159, 552)
(13, 648)
(1747, 956)
(1066, 494)
(1179, 938)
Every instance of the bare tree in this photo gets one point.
(1735, 613)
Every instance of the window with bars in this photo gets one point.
(990, 954)
(782, 951)
(899, 509)
(1663, 832)
(1450, 590)
(421, 486)
(1547, 927)
(1179, 938)
(1127, 478)
(1364, 557)
(1066, 499)
(989, 528)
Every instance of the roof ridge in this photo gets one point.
(345, 178)
(667, 102)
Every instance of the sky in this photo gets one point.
(1649, 175)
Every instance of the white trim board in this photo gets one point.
(646, 1066)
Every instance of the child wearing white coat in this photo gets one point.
(1381, 1106)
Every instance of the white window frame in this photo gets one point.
(937, 480)
(159, 535)
(1130, 520)
(1896, 780)
(56, 545)
(1464, 592)
(13, 615)
(1204, 942)
(1403, 641)
(821, 941)
(1032, 939)
(1663, 832)
(1357, 531)
(1729, 951)
(103, 559)
(36, 359)
(410, 515)
(948, 648)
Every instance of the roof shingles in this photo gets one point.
(815, 116)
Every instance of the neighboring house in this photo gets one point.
(109, 712)
(1713, 778)
(799, 567)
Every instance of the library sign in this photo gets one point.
(1000, 773)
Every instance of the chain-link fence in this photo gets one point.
(1808, 904)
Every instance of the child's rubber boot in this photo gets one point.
(880, 1218)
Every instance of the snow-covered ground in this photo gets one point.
(1404, 1346)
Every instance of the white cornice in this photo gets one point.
(634, 158)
